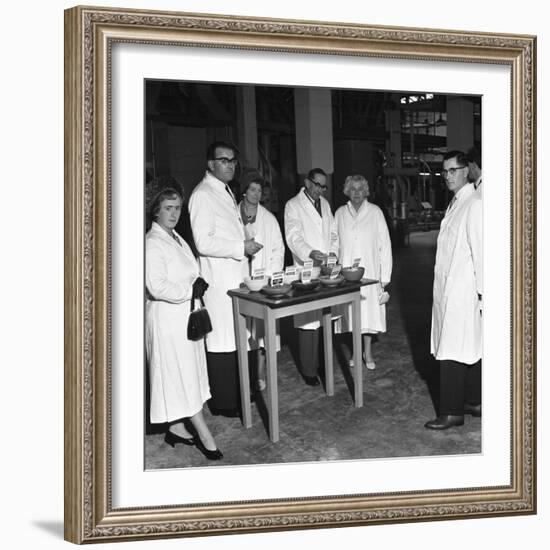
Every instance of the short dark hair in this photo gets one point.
(474, 155)
(211, 150)
(166, 193)
(314, 172)
(461, 157)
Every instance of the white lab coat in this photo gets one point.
(478, 186)
(177, 366)
(219, 238)
(306, 231)
(364, 234)
(458, 274)
(266, 231)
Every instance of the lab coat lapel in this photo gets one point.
(309, 209)
(227, 200)
(168, 240)
(455, 208)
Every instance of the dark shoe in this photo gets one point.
(210, 455)
(171, 438)
(445, 421)
(311, 380)
(474, 410)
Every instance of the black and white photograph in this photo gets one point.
(313, 274)
(289, 303)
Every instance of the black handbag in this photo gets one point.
(199, 324)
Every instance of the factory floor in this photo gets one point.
(400, 395)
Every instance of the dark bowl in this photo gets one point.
(312, 285)
(274, 291)
(353, 274)
(327, 281)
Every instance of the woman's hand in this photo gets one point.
(199, 288)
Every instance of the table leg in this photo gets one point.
(271, 370)
(357, 355)
(327, 344)
(242, 354)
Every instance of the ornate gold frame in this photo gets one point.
(89, 35)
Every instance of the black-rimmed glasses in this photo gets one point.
(451, 171)
(226, 162)
(323, 187)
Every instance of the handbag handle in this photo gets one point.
(192, 301)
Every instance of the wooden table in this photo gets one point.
(260, 306)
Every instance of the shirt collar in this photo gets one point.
(464, 191)
(306, 193)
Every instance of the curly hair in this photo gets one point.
(355, 178)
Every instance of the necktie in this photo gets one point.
(317, 205)
(230, 193)
(176, 238)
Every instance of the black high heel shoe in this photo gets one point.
(171, 438)
(210, 455)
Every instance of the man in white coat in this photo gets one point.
(310, 233)
(223, 250)
(456, 338)
(474, 168)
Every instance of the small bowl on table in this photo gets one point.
(353, 273)
(255, 285)
(305, 287)
(327, 281)
(276, 291)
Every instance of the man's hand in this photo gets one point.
(318, 257)
(251, 247)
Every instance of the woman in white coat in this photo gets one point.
(177, 366)
(261, 225)
(363, 233)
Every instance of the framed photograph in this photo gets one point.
(145, 94)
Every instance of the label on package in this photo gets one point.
(308, 264)
(335, 271)
(305, 276)
(258, 274)
(356, 262)
(331, 261)
(290, 270)
(277, 278)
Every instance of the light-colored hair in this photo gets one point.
(356, 178)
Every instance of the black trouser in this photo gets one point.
(459, 383)
(223, 376)
(308, 342)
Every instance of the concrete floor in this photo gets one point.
(399, 396)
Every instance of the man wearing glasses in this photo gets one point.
(220, 241)
(456, 313)
(310, 233)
